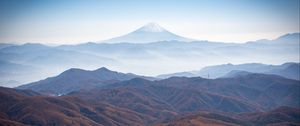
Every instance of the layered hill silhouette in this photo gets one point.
(105, 97)
(23, 107)
(263, 90)
(288, 70)
(149, 50)
(78, 79)
(244, 100)
(29, 108)
(248, 92)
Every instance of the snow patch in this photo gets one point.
(152, 27)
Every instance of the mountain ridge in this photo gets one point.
(290, 70)
(78, 79)
(150, 32)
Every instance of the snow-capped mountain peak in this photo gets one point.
(150, 32)
(151, 27)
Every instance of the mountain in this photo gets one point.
(287, 39)
(250, 89)
(179, 74)
(283, 116)
(165, 99)
(77, 79)
(264, 91)
(236, 73)
(151, 32)
(4, 45)
(19, 107)
(221, 70)
(288, 70)
(240, 100)
(131, 105)
(202, 119)
(42, 61)
(161, 102)
(152, 58)
(10, 72)
(253, 92)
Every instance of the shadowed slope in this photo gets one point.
(41, 110)
(282, 116)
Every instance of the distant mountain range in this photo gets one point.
(152, 51)
(287, 70)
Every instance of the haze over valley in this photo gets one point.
(149, 63)
(155, 51)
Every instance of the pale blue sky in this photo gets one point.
(76, 21)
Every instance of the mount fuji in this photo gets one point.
(150, 32)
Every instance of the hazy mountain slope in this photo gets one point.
(236, 73)
(287, 39)
(39, 55)
(4, 45)
(179, 74)
(43, 61)
(11, 72)
(221, 70)
(288, 70)
(148, 58)
(77, 79)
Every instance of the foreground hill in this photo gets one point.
(282, 116)
(24, 108)
(28, 108)
(140, 101)
(174, 96)
(78, 79)
(244, 93)
(162, 102)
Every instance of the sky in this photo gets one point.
(78, 21)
